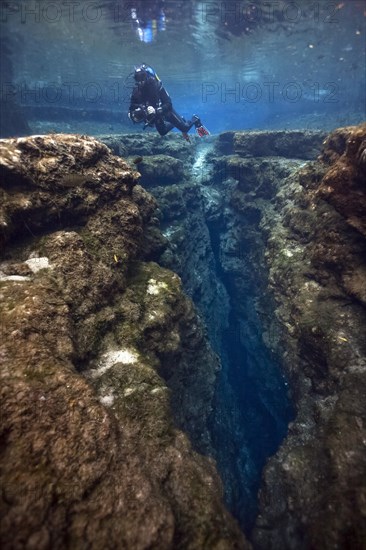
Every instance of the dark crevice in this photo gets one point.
(252, 408)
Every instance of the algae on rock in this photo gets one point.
(287, 236)
(96, 457)
(314, 488)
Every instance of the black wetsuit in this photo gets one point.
(152, 93)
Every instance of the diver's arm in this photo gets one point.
(137, 111)
(136, 100)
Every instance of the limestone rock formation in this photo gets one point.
(160, 169)
(149, 143)
(314, 490)
(285, 143)
(287, 232)
(106, 365)
(294, 248)
(103, 363)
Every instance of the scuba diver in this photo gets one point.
(150, 103)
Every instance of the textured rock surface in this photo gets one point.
(150, 143)
(184, 208)
(102, 360)
(287, 237)
(272, 249)
(289, 144)
(211, 223)
(314, 491)
(160, 170)
(252, 383)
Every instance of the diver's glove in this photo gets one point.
(137, 115)
(150, 112)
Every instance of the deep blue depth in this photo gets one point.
(253, 407)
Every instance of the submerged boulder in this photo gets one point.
(104, 363)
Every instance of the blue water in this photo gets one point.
(67, 66)
(252, 404)
(237, 64)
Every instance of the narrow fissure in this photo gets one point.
(252, 408)
(220, 260)
(219, 255)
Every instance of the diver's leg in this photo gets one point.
(163, 127)
(179, 121)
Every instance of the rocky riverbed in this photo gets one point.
(166, 306)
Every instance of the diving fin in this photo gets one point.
(200, 128)
(202, 131)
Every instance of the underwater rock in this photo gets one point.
(96, 332)
(314, 494)
(183, 210)
(54, 180)
(150, 143)
(288, 240)
(160, 170)
(208, 217)
(251, 380)
(290, 143)
(279, 298)
(344, 184)
(103, 363)
(255, 176)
